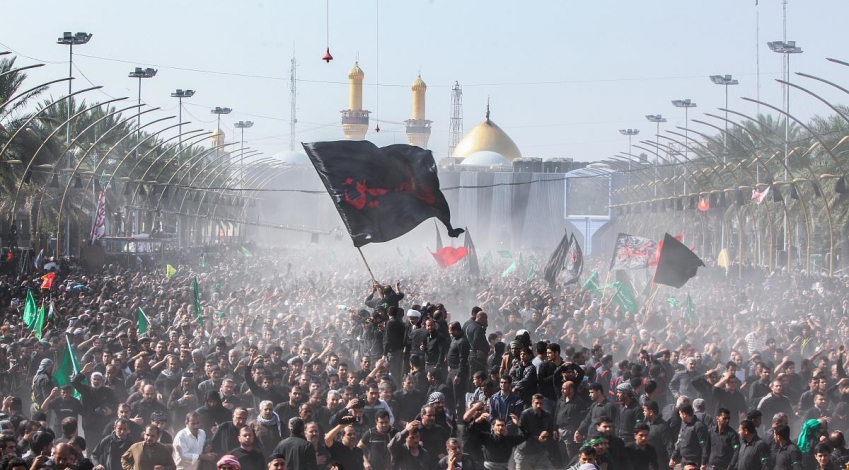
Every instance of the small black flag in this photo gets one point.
(574, 262)
(677, 263)
(471, 255)
(556, 261)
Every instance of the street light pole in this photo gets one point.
(725, 80)
(70, 40)
(786, 48)
(141, 73)
(180, 94)
(219, 111)
(630, 133)
(242, 125)
(657, 119)
(686, 104)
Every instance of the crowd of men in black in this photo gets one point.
(282, 374)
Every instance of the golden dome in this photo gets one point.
(487, 136)
(356, 72)
(419, 84)
(218, 136)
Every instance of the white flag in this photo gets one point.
(98, 230)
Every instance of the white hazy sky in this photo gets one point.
(563, 76)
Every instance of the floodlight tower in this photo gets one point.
(455, 128)
(724, 80)
(657, 119)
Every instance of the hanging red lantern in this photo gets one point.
(327, 57)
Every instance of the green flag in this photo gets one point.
(68, 368)
(29, 310)
(203, 261)
(673, 302)
(509, 270)
(487, 259)
(198, 314)
(245, 252)
(505, 254)
(143, 323)
(689, 309)
(624, 298)
(39, 321)
(170, 271)
(531, 272)
(591, 285)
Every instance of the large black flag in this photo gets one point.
(574, 262)
(677, 263)
(381, 193)
(556, 261)
(471, 255)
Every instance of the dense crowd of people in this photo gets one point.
(297, 361)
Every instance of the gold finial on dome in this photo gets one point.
(487, 136)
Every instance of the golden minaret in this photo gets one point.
(355, 118)
(418, 128)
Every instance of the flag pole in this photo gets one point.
(367, 266)
(606, 278)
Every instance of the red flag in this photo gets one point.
(47, 280)
(448, 255)
(656, 258)
(759, 196)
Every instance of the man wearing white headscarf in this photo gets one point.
(99, 403)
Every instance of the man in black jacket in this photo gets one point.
(458, 365)
(434, 347)
(630, 412)
(524, 375)
(226, 435)
(538, 426)
(406, 450)
(659, 435)
(394, 340)
(299, 453)
(108, 451)
(724, 441)
(598, 408)
(550, 375)
(693, 441)
(639, 453)
(99, 402)
(568, 413)
(247, 454)
(754, 452)
(476, 334)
